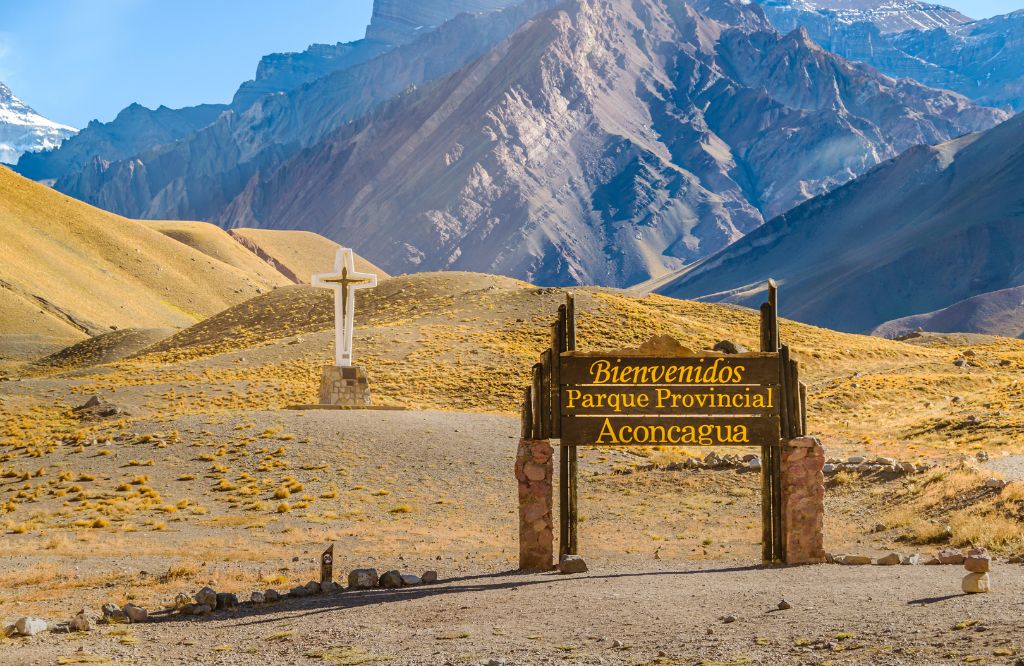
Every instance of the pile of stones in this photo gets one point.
(84, 620)
(977, 564)
(977, 561)
(715, 461)
(866, 465)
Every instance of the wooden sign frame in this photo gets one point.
(663, 369)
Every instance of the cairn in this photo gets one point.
(978, 562)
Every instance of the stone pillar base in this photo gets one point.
(803, 500)
(345, 386)
(535, 475)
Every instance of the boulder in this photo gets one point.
(978, 564)
(429, 577)
(298, 592)
(410, 579)
(976, 583)
(363, 579)
(754, 465)
(258, 598)
(391, 580)
(135, 614)
(206, 597)
(112, 614)
(226, 601)
(892, 559)
(30, 626)
(79, 622)
(729, 347)
(1017, 559)
(330, 587)
(272, 596)
(950, 556)
(995, 484)
(572, 564)
(201, 609)
(313, 587)
(852, 560)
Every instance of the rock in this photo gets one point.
(884, 462)
(913, 560)
(409, 579)
(950, 556)
(829, 468)
(852, 560)
(728, 619)
(754, 465)
(202, 609)
(135, 614)
(729, 347)
(978, 564)
(572, 564)
(995, 484)
(94, 401)
(298, 592)
(30, 626)
(976, 583)
(784, 605)
(856, 460)
(429, 577)
(258, 598)
(362, 579)
(226, 601)
(206, 597)
(182, 600)
(907, 468)
(982, 456)
(272, 596)
(391, 580)
(892, 559)
(112, 614)
(495, 662)
(330, 587)
(313, 587)
(79, 622)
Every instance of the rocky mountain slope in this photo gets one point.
(605, 142)
(934, 227)
(983, 60)
(887, 15)
(197, 177)
(22, 130)
(996, 313)
(137, 130)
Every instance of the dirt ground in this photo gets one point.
(619, 613)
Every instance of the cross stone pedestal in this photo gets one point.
(345, 386)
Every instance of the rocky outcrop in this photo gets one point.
(604, 142)
(888, 16)
(932, 228)
(401, 21)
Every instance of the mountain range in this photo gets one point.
(937, 230)
(935, 45)
(22, 130)
(592, 141)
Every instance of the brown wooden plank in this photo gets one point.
(621, 370)
(668, 431)
(546, 360)
(803, 408)
(671, 400)
(536, 394)
(574, 519)
(526, 418)
(570, 322)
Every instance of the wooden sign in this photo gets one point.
(628, 398)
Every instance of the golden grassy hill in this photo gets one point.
(88, 270)
(464, 341)
(297, 254)
(214, 242)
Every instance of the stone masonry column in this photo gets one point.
(535, 475)
(803, 500)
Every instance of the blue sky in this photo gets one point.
(75, 60)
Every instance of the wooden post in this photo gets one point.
(526, 418)
(546, 360)
(327, 565)
(537, 396)
(803, 409)
(568, 543)
(767, 543)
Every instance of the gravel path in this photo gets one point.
(614, 615)
(1012, 467)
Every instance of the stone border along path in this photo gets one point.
(751, 462)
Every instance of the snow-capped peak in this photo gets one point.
(23, 130)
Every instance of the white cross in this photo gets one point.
(344, 280)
